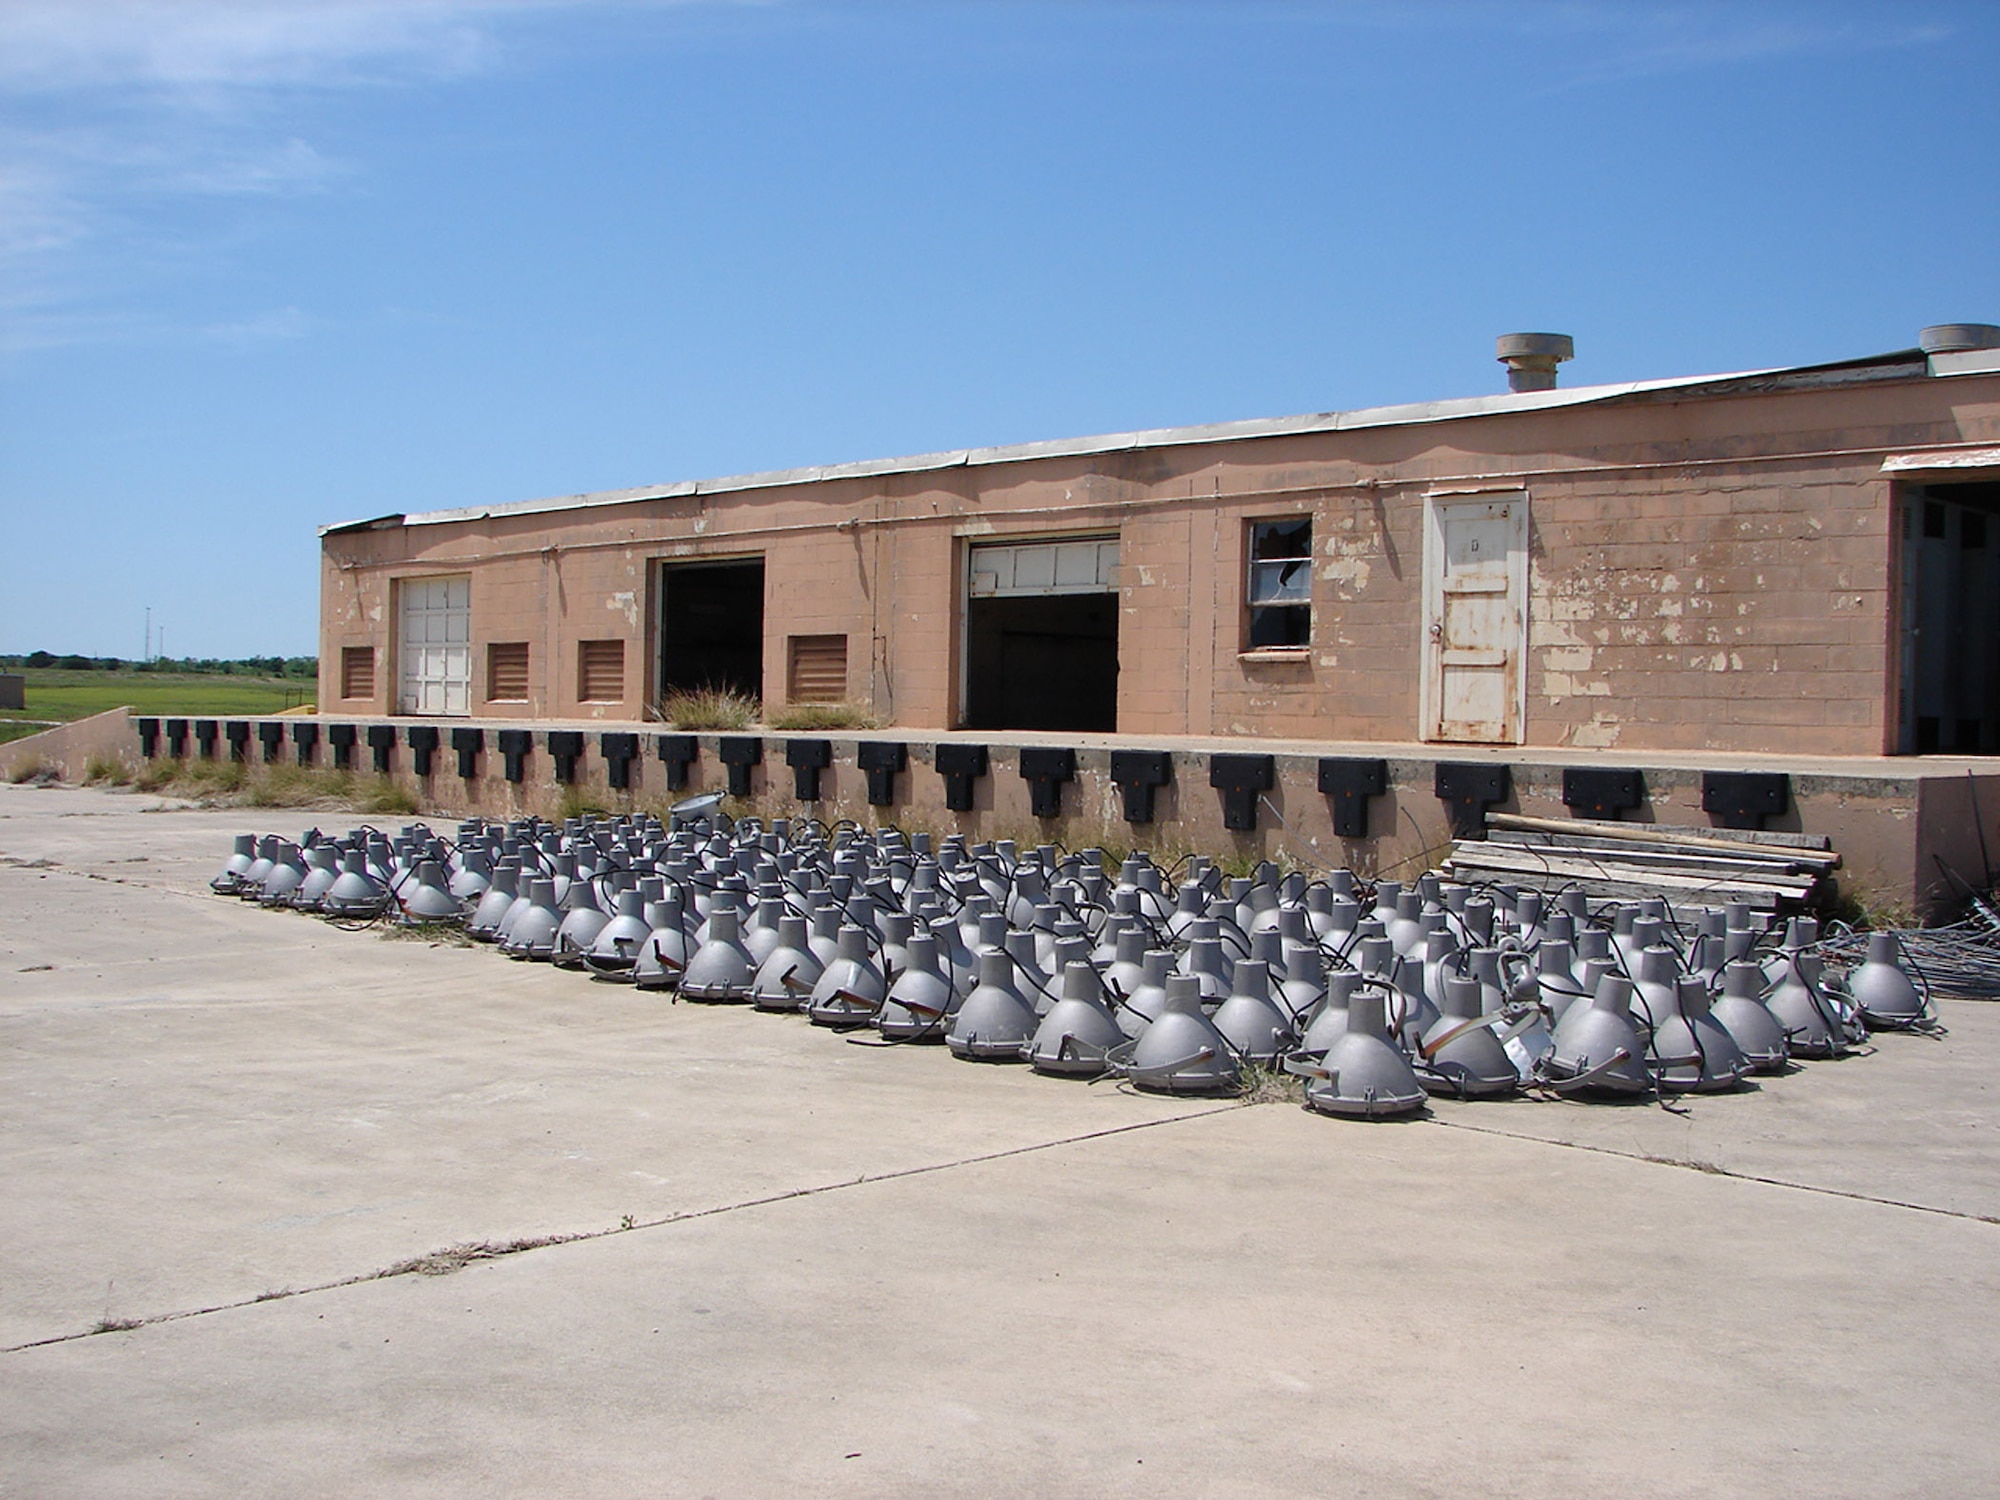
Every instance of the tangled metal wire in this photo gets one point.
(1961, 960)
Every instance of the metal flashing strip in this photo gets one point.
(1942, 461)
(1506, 486)
(1966, 362)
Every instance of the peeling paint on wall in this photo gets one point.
(1601, 733)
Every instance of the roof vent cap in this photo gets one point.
(1531, 358)
(1958, 338)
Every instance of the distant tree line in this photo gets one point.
(247, 666)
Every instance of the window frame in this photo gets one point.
(1290, 598)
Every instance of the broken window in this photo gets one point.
(1279, 592)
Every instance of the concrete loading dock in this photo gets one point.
(1910, 831)
(854, 1273)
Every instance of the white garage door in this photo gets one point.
(1003, 570)
(436, 645)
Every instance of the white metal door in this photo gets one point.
(436, 642)
(1475, 618)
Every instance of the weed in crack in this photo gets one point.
(1262, 1085)
(458, 1257)
(437, 934)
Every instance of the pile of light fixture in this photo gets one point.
(1179, 980)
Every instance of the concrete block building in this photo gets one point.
(1756, 599)
(1789, 561)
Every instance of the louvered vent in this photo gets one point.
(601, 671)
(357, 671)
(507, 672)
(817, 671)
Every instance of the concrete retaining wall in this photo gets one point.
(68, 748)
(1897, 823)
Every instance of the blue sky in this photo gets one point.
(267, 264)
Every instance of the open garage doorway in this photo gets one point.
(712, 627)
(1041, 635)
(1949, 682)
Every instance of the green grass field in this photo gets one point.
(61, 696)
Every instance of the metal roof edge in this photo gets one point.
(376, 523)
(1406, 414)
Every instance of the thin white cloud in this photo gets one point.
(287, 166)
(107, 102)
(275, 326)
(1616, 39)
(204, 45)
(110, 102)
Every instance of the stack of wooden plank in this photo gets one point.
(1685, 865)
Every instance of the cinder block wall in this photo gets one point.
(1705, 574)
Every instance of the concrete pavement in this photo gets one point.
(762, 1258)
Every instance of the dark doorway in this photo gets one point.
(1047, 661)
(1950, 678)
(712, 627)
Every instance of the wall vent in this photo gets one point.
(601, 671)
(816, 669)
(507, 672)
(357, 671)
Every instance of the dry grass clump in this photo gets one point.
(1262, 1085)
(580, 802)
(223, 783)
(382, 795)
(40, 770)
(824, 716)
(299, 786)
(710, 708)
(106, 770)
(154, 775)
(211, 778)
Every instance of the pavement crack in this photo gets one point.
(1716, 1169)
(456, 1257)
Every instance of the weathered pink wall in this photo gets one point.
(1706, 573)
